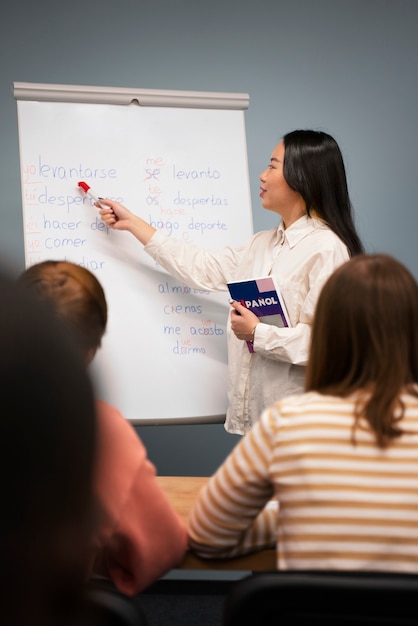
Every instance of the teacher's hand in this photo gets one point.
(114, 214)
(243, 321)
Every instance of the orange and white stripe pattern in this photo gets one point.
(340, 506)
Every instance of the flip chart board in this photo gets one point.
(178, 159)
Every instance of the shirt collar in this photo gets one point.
(298, 230)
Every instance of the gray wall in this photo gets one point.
(348, 67)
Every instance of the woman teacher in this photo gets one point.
(305, 184)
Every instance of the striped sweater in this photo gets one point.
(340, 506)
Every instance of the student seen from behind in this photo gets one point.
(341, 459)
(140, 536)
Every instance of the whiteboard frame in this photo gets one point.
(126, 95)
(178, 421)
(45, 92)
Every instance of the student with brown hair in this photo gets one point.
(341, 459)
(140, 536)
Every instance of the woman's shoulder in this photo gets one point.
(116, 433)
(312, 234)
(311, 405)
(321, 229)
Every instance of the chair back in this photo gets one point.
(323, 599)
(106, 606)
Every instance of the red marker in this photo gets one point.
(88, 190)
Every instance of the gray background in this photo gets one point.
(348, 67)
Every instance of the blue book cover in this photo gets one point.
(262, 297)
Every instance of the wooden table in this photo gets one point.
(181, 491)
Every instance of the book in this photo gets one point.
(261, 296)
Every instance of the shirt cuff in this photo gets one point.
(153, 245)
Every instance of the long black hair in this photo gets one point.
(313, 166)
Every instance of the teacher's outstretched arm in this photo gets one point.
(118, 217)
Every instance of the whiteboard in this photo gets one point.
(178, 159)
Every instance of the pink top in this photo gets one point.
(141, 537)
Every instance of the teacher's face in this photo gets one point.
(275, 193)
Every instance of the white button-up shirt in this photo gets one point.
(300, 258)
